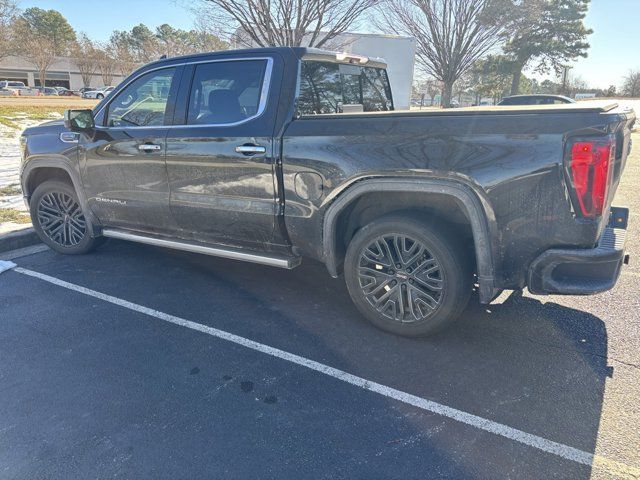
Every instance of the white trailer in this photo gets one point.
(398, 53)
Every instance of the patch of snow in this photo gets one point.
(10, 156)
(6, 265)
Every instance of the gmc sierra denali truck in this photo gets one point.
(271, 155)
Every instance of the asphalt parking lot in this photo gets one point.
(150, 363)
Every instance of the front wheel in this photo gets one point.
(59, 220)
(407, 278)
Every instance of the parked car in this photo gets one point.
(65, 92)
(535, 100)
(241, 155)
(99, 93)
(30, 92)
(12, 84)
(20, 87)
(8, 92)
(47, 91)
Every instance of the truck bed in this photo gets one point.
(596, 106)
(513, 157)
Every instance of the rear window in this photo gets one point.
(327, 87)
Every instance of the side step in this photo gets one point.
(275, 260)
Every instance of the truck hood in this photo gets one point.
(52, 127)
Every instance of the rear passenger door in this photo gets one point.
(220, 159)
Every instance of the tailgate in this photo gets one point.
(623, 147)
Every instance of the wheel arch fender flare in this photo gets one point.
(60, 163)
(477, 208)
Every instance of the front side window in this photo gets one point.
(226, 92)
(143, 103)
(325, 87)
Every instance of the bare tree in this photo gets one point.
(86, 56)
(8, 11)
(450, 34)
(107, 66)
(429, 87)
(119, 50)
(576, 84)
(39, 50)
(631, 86)
(432, 88)
(268, 23)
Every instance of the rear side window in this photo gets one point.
(515, 101)
(325, 87)
(226, 92)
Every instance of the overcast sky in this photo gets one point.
(615, 43)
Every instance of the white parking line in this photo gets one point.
(619, 469)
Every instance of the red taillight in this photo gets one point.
(591, 164)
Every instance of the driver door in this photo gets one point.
(123, 162)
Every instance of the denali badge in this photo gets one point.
(110, 200)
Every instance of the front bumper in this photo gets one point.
(567, 271)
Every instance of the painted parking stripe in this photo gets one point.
(619, 469)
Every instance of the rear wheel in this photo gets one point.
(407, 278)
(99, 96)
(59, 220)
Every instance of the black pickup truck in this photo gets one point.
(271, 155)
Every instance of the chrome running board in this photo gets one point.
(281, 261)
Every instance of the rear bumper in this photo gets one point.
(582, 271)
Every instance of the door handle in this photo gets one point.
(149, 147)
(248, 149)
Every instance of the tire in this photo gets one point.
(100, 96)
(59, 220)
(428, 291)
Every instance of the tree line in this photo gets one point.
(41, 35)
(478, 46)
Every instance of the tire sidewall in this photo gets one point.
(442, 245)
(52, 186)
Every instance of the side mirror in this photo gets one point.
(79, 120)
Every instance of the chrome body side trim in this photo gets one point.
(69, 137)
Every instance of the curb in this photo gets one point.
(18, 239)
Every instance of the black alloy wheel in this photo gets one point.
(59, 220)
(406, 276)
